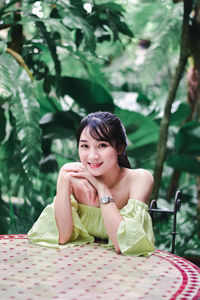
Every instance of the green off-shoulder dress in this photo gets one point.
(135, 233)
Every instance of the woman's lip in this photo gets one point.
(94, 165)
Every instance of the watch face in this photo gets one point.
(105, 200)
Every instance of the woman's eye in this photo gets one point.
(84, 146)
(103, 145)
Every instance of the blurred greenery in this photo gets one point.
(61, 60)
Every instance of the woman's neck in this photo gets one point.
(110, 178)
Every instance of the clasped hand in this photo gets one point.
(81, 179)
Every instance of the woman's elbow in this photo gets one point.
(117, 249)
(63, 239)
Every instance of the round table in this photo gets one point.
(91, 271)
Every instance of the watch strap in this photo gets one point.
(106, 200)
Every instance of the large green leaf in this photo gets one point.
(4, 217)
(184, 163)
(141, 131)
(3, 47)
(4, 8)
(5, 82)
(26, 112)
(2, 124)
(109, 18)
(89, 95)
(142, 152)
(59, 125)
(188, 139)
(73, 19)
(47, 103)
(180, 115)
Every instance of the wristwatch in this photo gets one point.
(106, 200)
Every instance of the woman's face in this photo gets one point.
(96, 156)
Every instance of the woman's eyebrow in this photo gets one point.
(83, 141)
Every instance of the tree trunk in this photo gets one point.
(173, 184)
(163, 135)
(16, 32)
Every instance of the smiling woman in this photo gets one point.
(101, 196)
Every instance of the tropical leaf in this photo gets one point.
(25, 109)
(3, 47)
(4, 217)
(180, 115)
(109, 18)
(3, 125)
(143, 151)
(5, 83)
(188, 139)
(141, 130)
(59, 125)
(74, 20)
(184, 163)
(144, 67)
(51, 45)
(4, 8)
(47, 103)
(89, 95)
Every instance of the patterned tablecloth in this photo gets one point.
(91, 272)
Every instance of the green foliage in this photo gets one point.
(142, 133)
(149, 62)
(24, 118)
(89, 95)
(35, 114)
(79, 60)
(187, 147)
(4, 218)
(5, 82)
(28, 132)
(187, 239)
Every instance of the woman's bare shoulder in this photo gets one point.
(141, 174)
(141, 184)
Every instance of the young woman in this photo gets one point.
(101, 196)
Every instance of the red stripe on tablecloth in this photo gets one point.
(183, 273)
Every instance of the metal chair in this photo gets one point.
(153, 210)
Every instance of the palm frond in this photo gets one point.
(25, 109)
(5, 83)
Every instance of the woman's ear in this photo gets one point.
(121, 150)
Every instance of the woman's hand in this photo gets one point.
(79, 184)
(99, 187)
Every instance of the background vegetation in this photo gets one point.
(60, 60)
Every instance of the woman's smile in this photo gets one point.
(95, 165)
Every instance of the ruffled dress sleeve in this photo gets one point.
(135, 232)
(45, 233)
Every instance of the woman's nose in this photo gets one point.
(93, 154)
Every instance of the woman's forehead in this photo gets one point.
(85, 133)
(92, 133)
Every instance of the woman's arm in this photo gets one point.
(140, 185)
(67, 185)
(110, 213)
(111, 217)
(63, 213)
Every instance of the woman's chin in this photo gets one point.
(94, 171)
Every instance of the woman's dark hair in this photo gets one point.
(105, 126)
